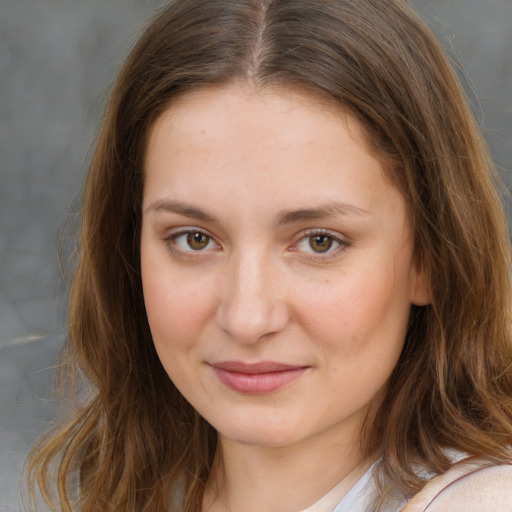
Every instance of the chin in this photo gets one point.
(272, 440)
(263, 434)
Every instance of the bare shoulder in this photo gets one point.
(486, 489)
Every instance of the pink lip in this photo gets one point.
(256, 378)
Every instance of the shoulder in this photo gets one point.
(486, 489)
(472, 486)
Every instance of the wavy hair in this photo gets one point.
(133, 442)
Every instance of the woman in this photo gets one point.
(293, 290)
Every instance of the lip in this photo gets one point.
(257, 378)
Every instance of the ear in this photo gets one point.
(420, 287)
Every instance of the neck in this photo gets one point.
(291, 478)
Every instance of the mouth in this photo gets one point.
(257, 378)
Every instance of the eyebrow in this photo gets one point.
(330, 209)
(180, 208)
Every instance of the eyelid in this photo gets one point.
(342, 240)
(173, 234)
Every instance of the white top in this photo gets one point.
(357, 499)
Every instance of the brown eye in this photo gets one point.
(320, 243)
(190, 241)
(197, 240)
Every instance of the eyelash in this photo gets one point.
(173, 247)
(342, 244)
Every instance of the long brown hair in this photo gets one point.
(133, 442)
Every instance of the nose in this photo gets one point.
(252, 303)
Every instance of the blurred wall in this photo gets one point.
(57, 61)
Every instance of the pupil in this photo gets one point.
(320, 243)
(197, 241)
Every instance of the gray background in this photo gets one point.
(57, 62)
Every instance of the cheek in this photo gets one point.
(178, 306)
(360, 327)
(173, 314)
(177, 313)
(363, 315)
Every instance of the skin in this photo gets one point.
(259, 175)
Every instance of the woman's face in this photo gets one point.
(277, 264)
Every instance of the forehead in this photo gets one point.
(205, 110)
(244, 107)
(209, 117)
(279, 144)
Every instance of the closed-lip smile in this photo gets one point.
(257, 378)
